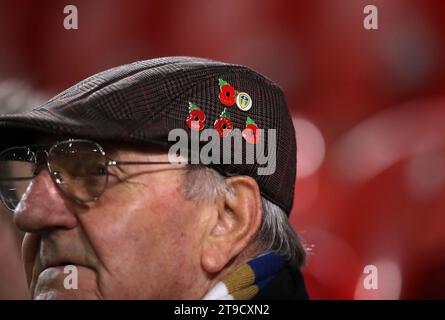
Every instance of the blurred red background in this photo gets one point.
(368, 105)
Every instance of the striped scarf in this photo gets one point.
(248, 279)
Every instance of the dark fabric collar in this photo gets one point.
(288, 284)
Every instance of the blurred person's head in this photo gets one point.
(18, 96)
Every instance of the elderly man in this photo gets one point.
(89, 177)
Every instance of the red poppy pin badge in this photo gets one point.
(196, 117)
(251, 132)
(223, 125)
(227, 93)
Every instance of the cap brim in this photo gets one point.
(23, 129)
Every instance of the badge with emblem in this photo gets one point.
(243, 101)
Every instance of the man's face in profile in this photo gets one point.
(141, 239)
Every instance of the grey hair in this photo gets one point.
(275, 233)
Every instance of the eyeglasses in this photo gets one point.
(78, 167)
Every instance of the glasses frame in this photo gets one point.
(58, 181)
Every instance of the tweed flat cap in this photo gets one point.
(143, 101)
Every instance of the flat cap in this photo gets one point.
(143, 101)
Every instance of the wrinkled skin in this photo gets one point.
(141, 240)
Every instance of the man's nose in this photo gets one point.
(44, 206)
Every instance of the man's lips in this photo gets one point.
(54, 252)
(62, 262)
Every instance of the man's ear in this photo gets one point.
(238, 219)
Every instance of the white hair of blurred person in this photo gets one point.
(18, 96)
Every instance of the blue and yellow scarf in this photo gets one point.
(248, 279)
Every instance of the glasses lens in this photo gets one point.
(17, 169)
(79, 167)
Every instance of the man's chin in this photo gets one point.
(62, 283)
(56, 294)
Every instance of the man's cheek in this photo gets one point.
(170, 207)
